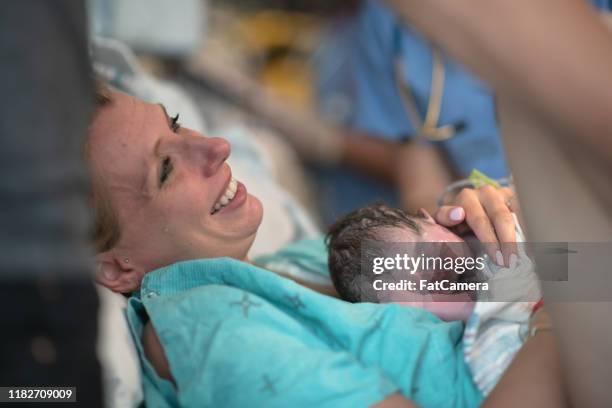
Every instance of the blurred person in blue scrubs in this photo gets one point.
(393, 88)
(376, 78)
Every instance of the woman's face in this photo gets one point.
(166, 184)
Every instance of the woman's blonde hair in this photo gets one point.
(106, 230)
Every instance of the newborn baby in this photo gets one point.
(379, 223)
(496, 322)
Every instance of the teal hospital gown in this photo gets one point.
(236, 335)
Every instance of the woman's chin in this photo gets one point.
(255, 210)
(245, 219)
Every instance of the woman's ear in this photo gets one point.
(119, 275)
(423, 212)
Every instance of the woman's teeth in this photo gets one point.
(228, 196)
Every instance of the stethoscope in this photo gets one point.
(427, 128)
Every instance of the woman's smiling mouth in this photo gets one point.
(227, 197)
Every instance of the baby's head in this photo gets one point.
(374, 223)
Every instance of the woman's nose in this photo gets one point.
(210, 153)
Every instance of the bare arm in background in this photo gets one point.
(552, 56)
(368, 154)
(417, 170)
(421, 176)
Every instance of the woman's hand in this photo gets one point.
(487, 212)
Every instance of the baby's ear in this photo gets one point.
(121, 277)
(423, 212)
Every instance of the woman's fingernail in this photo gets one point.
(456, 214)
(513, 261)
(499, 258)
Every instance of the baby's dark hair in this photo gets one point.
(344, 244)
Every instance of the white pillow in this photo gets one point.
(117, 353)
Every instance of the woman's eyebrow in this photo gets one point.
(168, 120)
(157, 144)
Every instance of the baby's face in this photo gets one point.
(433, 240)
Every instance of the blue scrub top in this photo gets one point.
(602, 5)
(378, 108)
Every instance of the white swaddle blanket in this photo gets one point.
(496, 330)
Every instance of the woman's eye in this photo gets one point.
(175, 125)
(166, 169)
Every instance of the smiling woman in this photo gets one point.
(170, 184)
